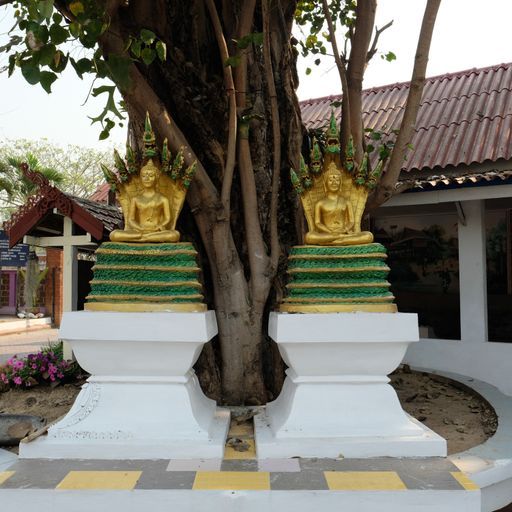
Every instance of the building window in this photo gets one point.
(499, 285)
(424, 276)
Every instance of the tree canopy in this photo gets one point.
(74, 169)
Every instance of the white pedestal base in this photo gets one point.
(142, 400)
(336, 400)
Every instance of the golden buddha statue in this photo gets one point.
(152, 199)
(149, 213)
(334, 197)
(333, 219)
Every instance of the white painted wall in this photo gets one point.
(473, 355)
(488, 362)
(472, 273)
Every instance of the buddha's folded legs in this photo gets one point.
(314, 238)
(161, 236)
(128, 235)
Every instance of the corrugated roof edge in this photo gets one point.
(399, 85)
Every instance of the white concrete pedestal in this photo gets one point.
(143, 400)
(336, 400)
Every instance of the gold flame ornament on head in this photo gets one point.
(334, 197)
(151, 198)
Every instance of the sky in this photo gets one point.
(468, 34)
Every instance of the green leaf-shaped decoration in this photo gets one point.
(177, 165)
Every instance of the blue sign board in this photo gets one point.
(15, 257)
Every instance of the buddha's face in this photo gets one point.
(148, 177)
(333, 182)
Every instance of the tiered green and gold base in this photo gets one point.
(145, 277)
(326, 279)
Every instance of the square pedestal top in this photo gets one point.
(158, 326)
(343, 327)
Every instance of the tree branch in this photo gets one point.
(365, 17)
(240, 72)
(387, 186)
(373, 49)
(257, 255)
(345, 100)
(276, 135)
(142, 98)
(229, 167)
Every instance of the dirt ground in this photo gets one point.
(449, 408)
(452, 410)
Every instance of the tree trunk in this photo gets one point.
(235, 201)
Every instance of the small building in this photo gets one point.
(69, 229)
(449, 232)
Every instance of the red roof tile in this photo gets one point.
(464, 117)
(100, 195)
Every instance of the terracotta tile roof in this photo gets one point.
(100, 195)
(464, 117)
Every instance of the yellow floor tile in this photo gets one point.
(364, 481)
(465, 481)
(232, 481)
(241, 429)
(118, 480)
(4, 475)
(231, 454)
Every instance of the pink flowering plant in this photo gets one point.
(46, 366)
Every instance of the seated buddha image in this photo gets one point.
(333, 216)
(149, 213)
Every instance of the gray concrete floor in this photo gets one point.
(25, 342)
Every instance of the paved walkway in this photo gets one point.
(385, 474)
(240, 482)
(25, 342)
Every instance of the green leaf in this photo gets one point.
(110, 106)
(308, 71)
(101, 67)
(84, 65)
(106, 130)
(161, 50)
(148, 56)
(253, 38)
(76, 8)
(94, 29)
(46, 79)
(58, 34)
(376, 135)
(136, 48)
(119, 67)
(257, 38)
(45, 8)
(147, 36)
(30, 72)
(46, 54)
(37, 32)
(57, 18)
(390, 56)
(74, 29)
(81, 66)
(12, 63)
(59, 62)
(233, 61)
